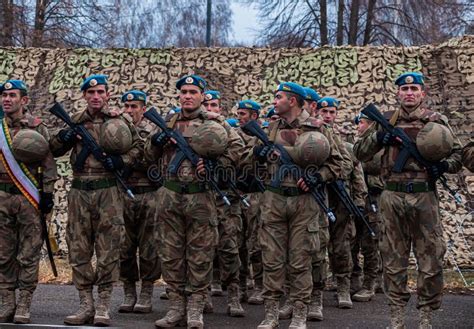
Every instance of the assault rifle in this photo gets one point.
(89, 145)
(184, 151)
(407, 149)
(288, 166)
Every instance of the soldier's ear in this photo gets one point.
(25, 100)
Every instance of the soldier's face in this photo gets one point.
(410, 96)
(363, 125)
(96, 97)
(135, 109)
(245, 116)
(213, 106)
(310, 107)
(12, 101)
(328, 114)
(190, 97)
(281, 103)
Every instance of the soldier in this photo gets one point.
(289, 215)
(141, 227)
(364, 242)
(311, 101)
(468, 156)
(342, 231)
(95, 203)
(227, 262)
(23, 150)
(187, 208)
(409, 204)
(249, 110)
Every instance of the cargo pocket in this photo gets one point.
(313, 236)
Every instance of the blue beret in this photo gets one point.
(360, 116)
(233, 122)
(94, 80)
(175, 110)
(134, 95)
(410, 78)
(191, 80)
(249, 104)
(265, 124)
(270, 112)
(328, 102)
(311, 94)
(13, 84)
(292, 88)
(212, 94)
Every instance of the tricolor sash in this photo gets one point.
(20, 175)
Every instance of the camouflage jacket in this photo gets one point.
(139, 172)
(468, 156)
(372, 172)
(93, 169)
(356, 181)
(48, 164)
(366, 147)
(234, 154)
(286, 135)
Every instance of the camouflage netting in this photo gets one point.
(354, 75)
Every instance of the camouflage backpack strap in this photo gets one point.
(394, 118)
(171, 123)
(273, 131)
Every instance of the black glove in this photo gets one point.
(261, 152)
(436, 170)
(113, 162)
(159, 139)
(315, 180)
(46, 202)
(67, 136)
(385, 138)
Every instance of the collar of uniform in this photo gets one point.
(415, 115)
(85, 116)
(190, 116)
(295, 123)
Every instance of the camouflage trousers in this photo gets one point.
(341, 234)
(319, 263)
(368, 246)
(20, 243)
(188, 234)
(230, 232)
(252, 216)
(95, 222)
(412, 220)
(141, 232)
(288, 238)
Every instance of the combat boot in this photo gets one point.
(286, 311)
(22, 314)
(233, 304)
(208, 307)
(144, 301)
(194, 310)
(366, 293)
(257, 297)
(7, 308)
(397, 317)
(271, 315)
(356, 283)
(85, 313)
(102, 316)
(176, 315)
(130, 297)
(343, 293)
(425, 318)
(315, 309)
(216, 289)
(298, 320)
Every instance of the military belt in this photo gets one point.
(413, 187)
(143, 189)
(185, 188)
(9, 188)
(91, 185)
(285, 190)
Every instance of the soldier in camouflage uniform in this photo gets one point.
(249, 110)
(410, 204)
(187, 209)
(342, 232)
(289, 215)
(364, 243)
(141, 227)
(20, 227)
(227, 261)
(95, 203)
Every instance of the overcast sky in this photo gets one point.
(245, 23)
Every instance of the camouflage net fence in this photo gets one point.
(355, 75)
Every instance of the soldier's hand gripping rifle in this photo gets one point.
(184, 151)
(339, 188)
(89, 145)
(44, 228)
(407, 148)
(288, 166)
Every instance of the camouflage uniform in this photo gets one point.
(141, 230)
(187, 213)
(20, 227)
(410, 210)
(468, 156)
(95, 210)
